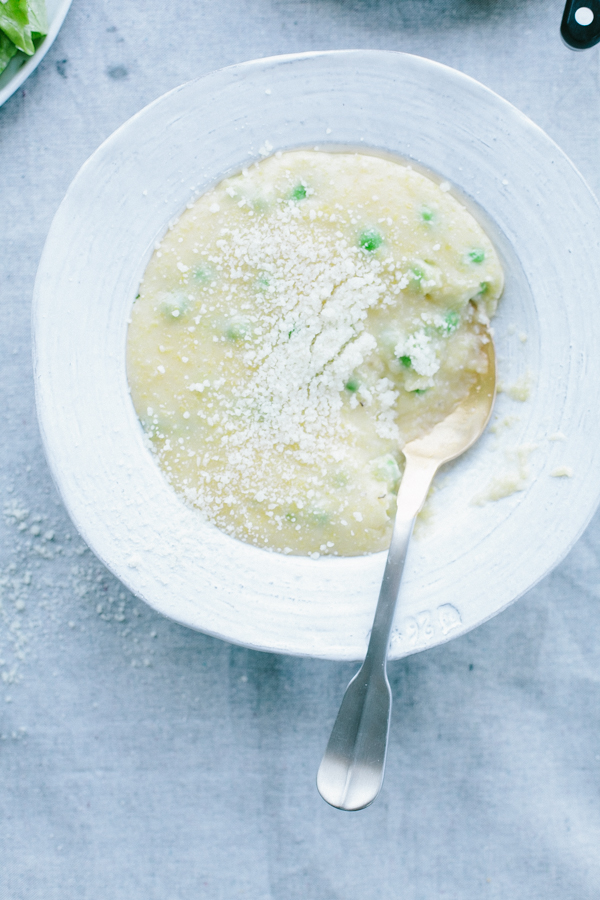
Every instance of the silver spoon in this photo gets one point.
(351, 771)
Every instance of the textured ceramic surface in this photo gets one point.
(21, 66)
(470, 560)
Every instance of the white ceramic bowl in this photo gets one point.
(21, 66)
(472, 560)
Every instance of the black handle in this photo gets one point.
(580, 26)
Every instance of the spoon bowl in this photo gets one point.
(351, 771)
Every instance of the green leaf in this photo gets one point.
(14, 22)
(406, 361)
(38, 18)
(7, 51)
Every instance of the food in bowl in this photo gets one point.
(294, 329)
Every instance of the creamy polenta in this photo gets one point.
(295, 328)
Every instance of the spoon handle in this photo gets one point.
(351, 771)
(412, 494)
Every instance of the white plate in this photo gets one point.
(21, 66)
(472, 560)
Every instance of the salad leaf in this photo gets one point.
(14, 22)
(38, 17)
(7, 51)
(21, 23)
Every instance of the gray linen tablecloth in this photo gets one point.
(142, 761)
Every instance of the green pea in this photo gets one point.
(237, 331)
(339, 479)
(259, 204)
(452, 321)
(418, 273)
(385, 468)
(352, 385)
(483, 288)
(299, 192)
(370, 240)
(477, 255)
(262, 283)
(426, 214)
(406, 361)
(174, 305)
(203, 274)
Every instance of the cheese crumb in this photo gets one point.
(513, 479)
(520, 390)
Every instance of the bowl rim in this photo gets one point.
(243, 73)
